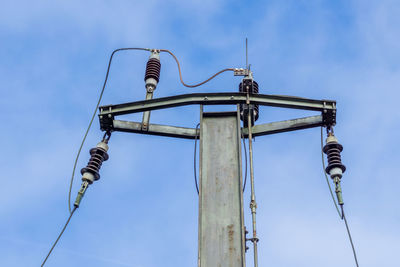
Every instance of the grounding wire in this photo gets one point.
(59, 236)
(180, 73)
(341, 214)
(194, 159)
(245, 160)
(94, 114)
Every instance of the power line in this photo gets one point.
(194, 161)
(326, 176)
(180, 73)
(59, 236)
(245, 160)
(349, 234)
(341, 214)
(94, 114)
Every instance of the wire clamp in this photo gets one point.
(240, 72)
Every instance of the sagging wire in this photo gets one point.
(94, 114)
(351, 240)
(245, 160)
(59, 236)
(326, 176)
(180, 73)
(194, 159)
(101, 95)
(90, 174)
(341, 211)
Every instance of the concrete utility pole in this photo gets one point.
(221, 226)
(222, 240)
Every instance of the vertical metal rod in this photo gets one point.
(247, 65)
(146, 114)
(253, 204)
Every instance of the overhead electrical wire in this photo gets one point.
(180, 73)
(348, 232)
(245, 160)
(194, 161)
(101, 95)
(72, 211)
(326, 176)
(341, 213)
(94, 114)
(59, 236)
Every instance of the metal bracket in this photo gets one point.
(241, 72)
(329, 115)
(106, 121)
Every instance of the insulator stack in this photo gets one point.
(153, 69)
(332, 149)
(98, 154)
(249, 86)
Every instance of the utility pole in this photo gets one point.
(221, 232)
(222, 235)
(222, 240)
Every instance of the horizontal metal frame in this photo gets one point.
(218, 99)
(190, 133)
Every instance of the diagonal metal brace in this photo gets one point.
(190, 133)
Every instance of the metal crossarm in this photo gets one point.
(326, 107)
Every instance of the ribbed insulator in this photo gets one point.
(153, 68)
(332, 150)
(251, 87)
(98, 155)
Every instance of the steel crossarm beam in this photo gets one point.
(190, 133)
(218, 99)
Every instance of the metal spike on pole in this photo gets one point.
(247, 57)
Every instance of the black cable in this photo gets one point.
(94, 114)
(180, 73)
(341, 213)
(194, 161)
(245, 160)
(326, 176)
(59, 236)
(349, 234)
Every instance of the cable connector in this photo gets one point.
(338, 191)
(240, 72)
(81, 193)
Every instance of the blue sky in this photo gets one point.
(143, 211)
